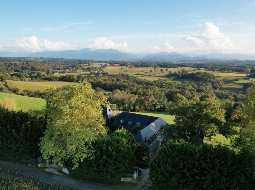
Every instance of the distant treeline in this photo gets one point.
(26, 65)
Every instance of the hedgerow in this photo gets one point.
(20, 134)
(112, 157)
(204, 167)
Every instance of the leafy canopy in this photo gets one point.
(247, 136)
(74, 120)
(199, 119)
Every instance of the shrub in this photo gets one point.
(20, 134)
(112, 158)
(204, 167)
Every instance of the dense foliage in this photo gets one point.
(74, 116)
(112, 157)
(199, 119)
(204, 167)
(247, 136)
(200, 77)
(20, 134)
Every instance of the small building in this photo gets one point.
(144, 128)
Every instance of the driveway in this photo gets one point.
(51, 179)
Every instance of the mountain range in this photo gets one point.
(115, 55)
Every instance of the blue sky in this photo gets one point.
(129, 25)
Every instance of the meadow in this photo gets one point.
(37, 85)
(21, 103)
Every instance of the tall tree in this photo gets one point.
(74, 120)
(247, 135)
(200, 119)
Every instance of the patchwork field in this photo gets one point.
(232, 80)
(147, 73)
(21, 103)
(37, 85)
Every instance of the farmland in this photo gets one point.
(147, 73)
(232, 80)
(21, 103)
(37, 85)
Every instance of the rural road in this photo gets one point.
(51, 179)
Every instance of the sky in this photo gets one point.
(184, 26)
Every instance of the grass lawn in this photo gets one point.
(37, 85)
(22, 103)
(167, 117)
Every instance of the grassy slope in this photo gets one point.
(37, 85)
(24, 103)
(168, 118)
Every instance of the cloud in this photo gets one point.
(33, 43)
(210, 39)
(107, 43)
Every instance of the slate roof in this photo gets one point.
(131, 121)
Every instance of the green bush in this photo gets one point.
(20, 134)
(112, 157)
(204, 167)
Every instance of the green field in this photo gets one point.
(37, 85)
(146, 73)
(167, 117)
(21, 103)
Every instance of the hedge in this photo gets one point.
(191, 167)
(20, 134)
(112, 157)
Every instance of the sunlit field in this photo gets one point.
(21, 103)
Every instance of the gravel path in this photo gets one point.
(51, 179)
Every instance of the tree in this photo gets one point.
(200, 119)
(124, 100)
(235, 120)
(113, 156)
(247, 136)
(75, 119)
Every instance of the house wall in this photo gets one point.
(151, 129)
